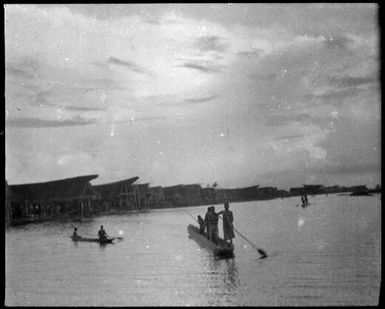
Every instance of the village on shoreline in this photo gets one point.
(76, 198)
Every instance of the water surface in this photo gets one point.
(323, 255)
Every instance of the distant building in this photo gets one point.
(313, 189)
(156, 199)
(248, 193)
(52, 199)
(297, 191)
(209, 195)
(267, 192)
(191, 194)
(143, 193)
(282, 193)
(117, 195)
(173, 195)
(358, 189)
(332, 189)
(8, 209)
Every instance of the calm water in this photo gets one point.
(326, 254)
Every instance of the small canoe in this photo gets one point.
(222, 249)
(109, 240)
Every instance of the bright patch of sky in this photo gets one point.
(268, 94)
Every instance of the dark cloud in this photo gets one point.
(263, 77)
(25, 68)
(338, 43)
(41, 123)
(348, 81)
(200, 100)
(210, 43)
(336, 96)
(289, 137)
(202, 67)
(83, 108)
(254, 54)
(152, 22)
(101, 84)
(39, 99)
(18, 72)
(351, 169)
(193, 101)
(134, 119)
(128, 64)
(284, 119)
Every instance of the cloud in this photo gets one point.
(82, 108)
(128, 64)
(210, 43)
(25, 67)
(202, 67)
(284, 119)
(252, 55)
(190, 101)
(348, 81)
(342, 42)
(264, 77)
(350, 169)
(42, 123)
(39, 99)
(336, 96)
(200, 100)
(289, 137)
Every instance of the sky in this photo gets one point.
(238, 94)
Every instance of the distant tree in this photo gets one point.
(215, 185)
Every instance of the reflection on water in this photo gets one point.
(326, 254)
(231, 275)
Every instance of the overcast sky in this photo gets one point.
(241, 94)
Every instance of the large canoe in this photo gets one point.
(109, 240)
(222, 249)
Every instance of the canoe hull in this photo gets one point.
(222, 249)
(106, 241)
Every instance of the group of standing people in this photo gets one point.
(210, 224)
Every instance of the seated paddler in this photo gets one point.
(102, 234)
(75, 234)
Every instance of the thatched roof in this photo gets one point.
(58, 190)
(114, 189)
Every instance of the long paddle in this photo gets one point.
(260, 251)
(190, 215)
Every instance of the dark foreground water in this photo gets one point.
(326, 254)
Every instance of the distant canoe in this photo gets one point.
(222, 249)
(102, 241)
(360, 193)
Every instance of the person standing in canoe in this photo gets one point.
(228, 228)
(201, 225)
(213, 222)
(207, 215)
(102, 233)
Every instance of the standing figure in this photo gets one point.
(201, 225)
(213, 222)
(207, 215)
(228, 228)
